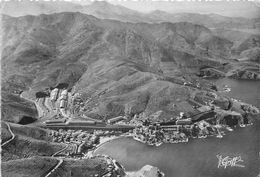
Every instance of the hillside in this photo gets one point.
(62, 66)
(105, 10)
(14, 109)
(41, 166)
(35, 166)
(208, 20)
(245, 44)
(128, 62)
(120, 67)
(32, 141)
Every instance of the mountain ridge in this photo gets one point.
(95, 55)
(105, 10)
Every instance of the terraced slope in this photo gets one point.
(31, 167)
(41, 166)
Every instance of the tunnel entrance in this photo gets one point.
(27, 120)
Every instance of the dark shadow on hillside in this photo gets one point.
(27, 120)
(62, 85)
(41, 94)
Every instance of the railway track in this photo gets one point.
(12, 138)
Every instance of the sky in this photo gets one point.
(227, 8)
(232, 8)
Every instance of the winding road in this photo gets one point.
(59, 163)
(67, 145)
(13, 135)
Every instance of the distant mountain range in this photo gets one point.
(105, 10)
(131, 64)
(121, 63)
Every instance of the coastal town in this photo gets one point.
(79, 142)
(127, 89)
(82, 134)
(157, 134)
(100, 89)
(62, 114)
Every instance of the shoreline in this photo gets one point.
(107, 140)
(221, 135)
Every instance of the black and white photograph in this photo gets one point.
(130, 88)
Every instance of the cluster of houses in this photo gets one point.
(72, 136)
(158, 133)
(148, 135)
(178, 130)
(82, 139)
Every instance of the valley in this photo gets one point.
(74, 81)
